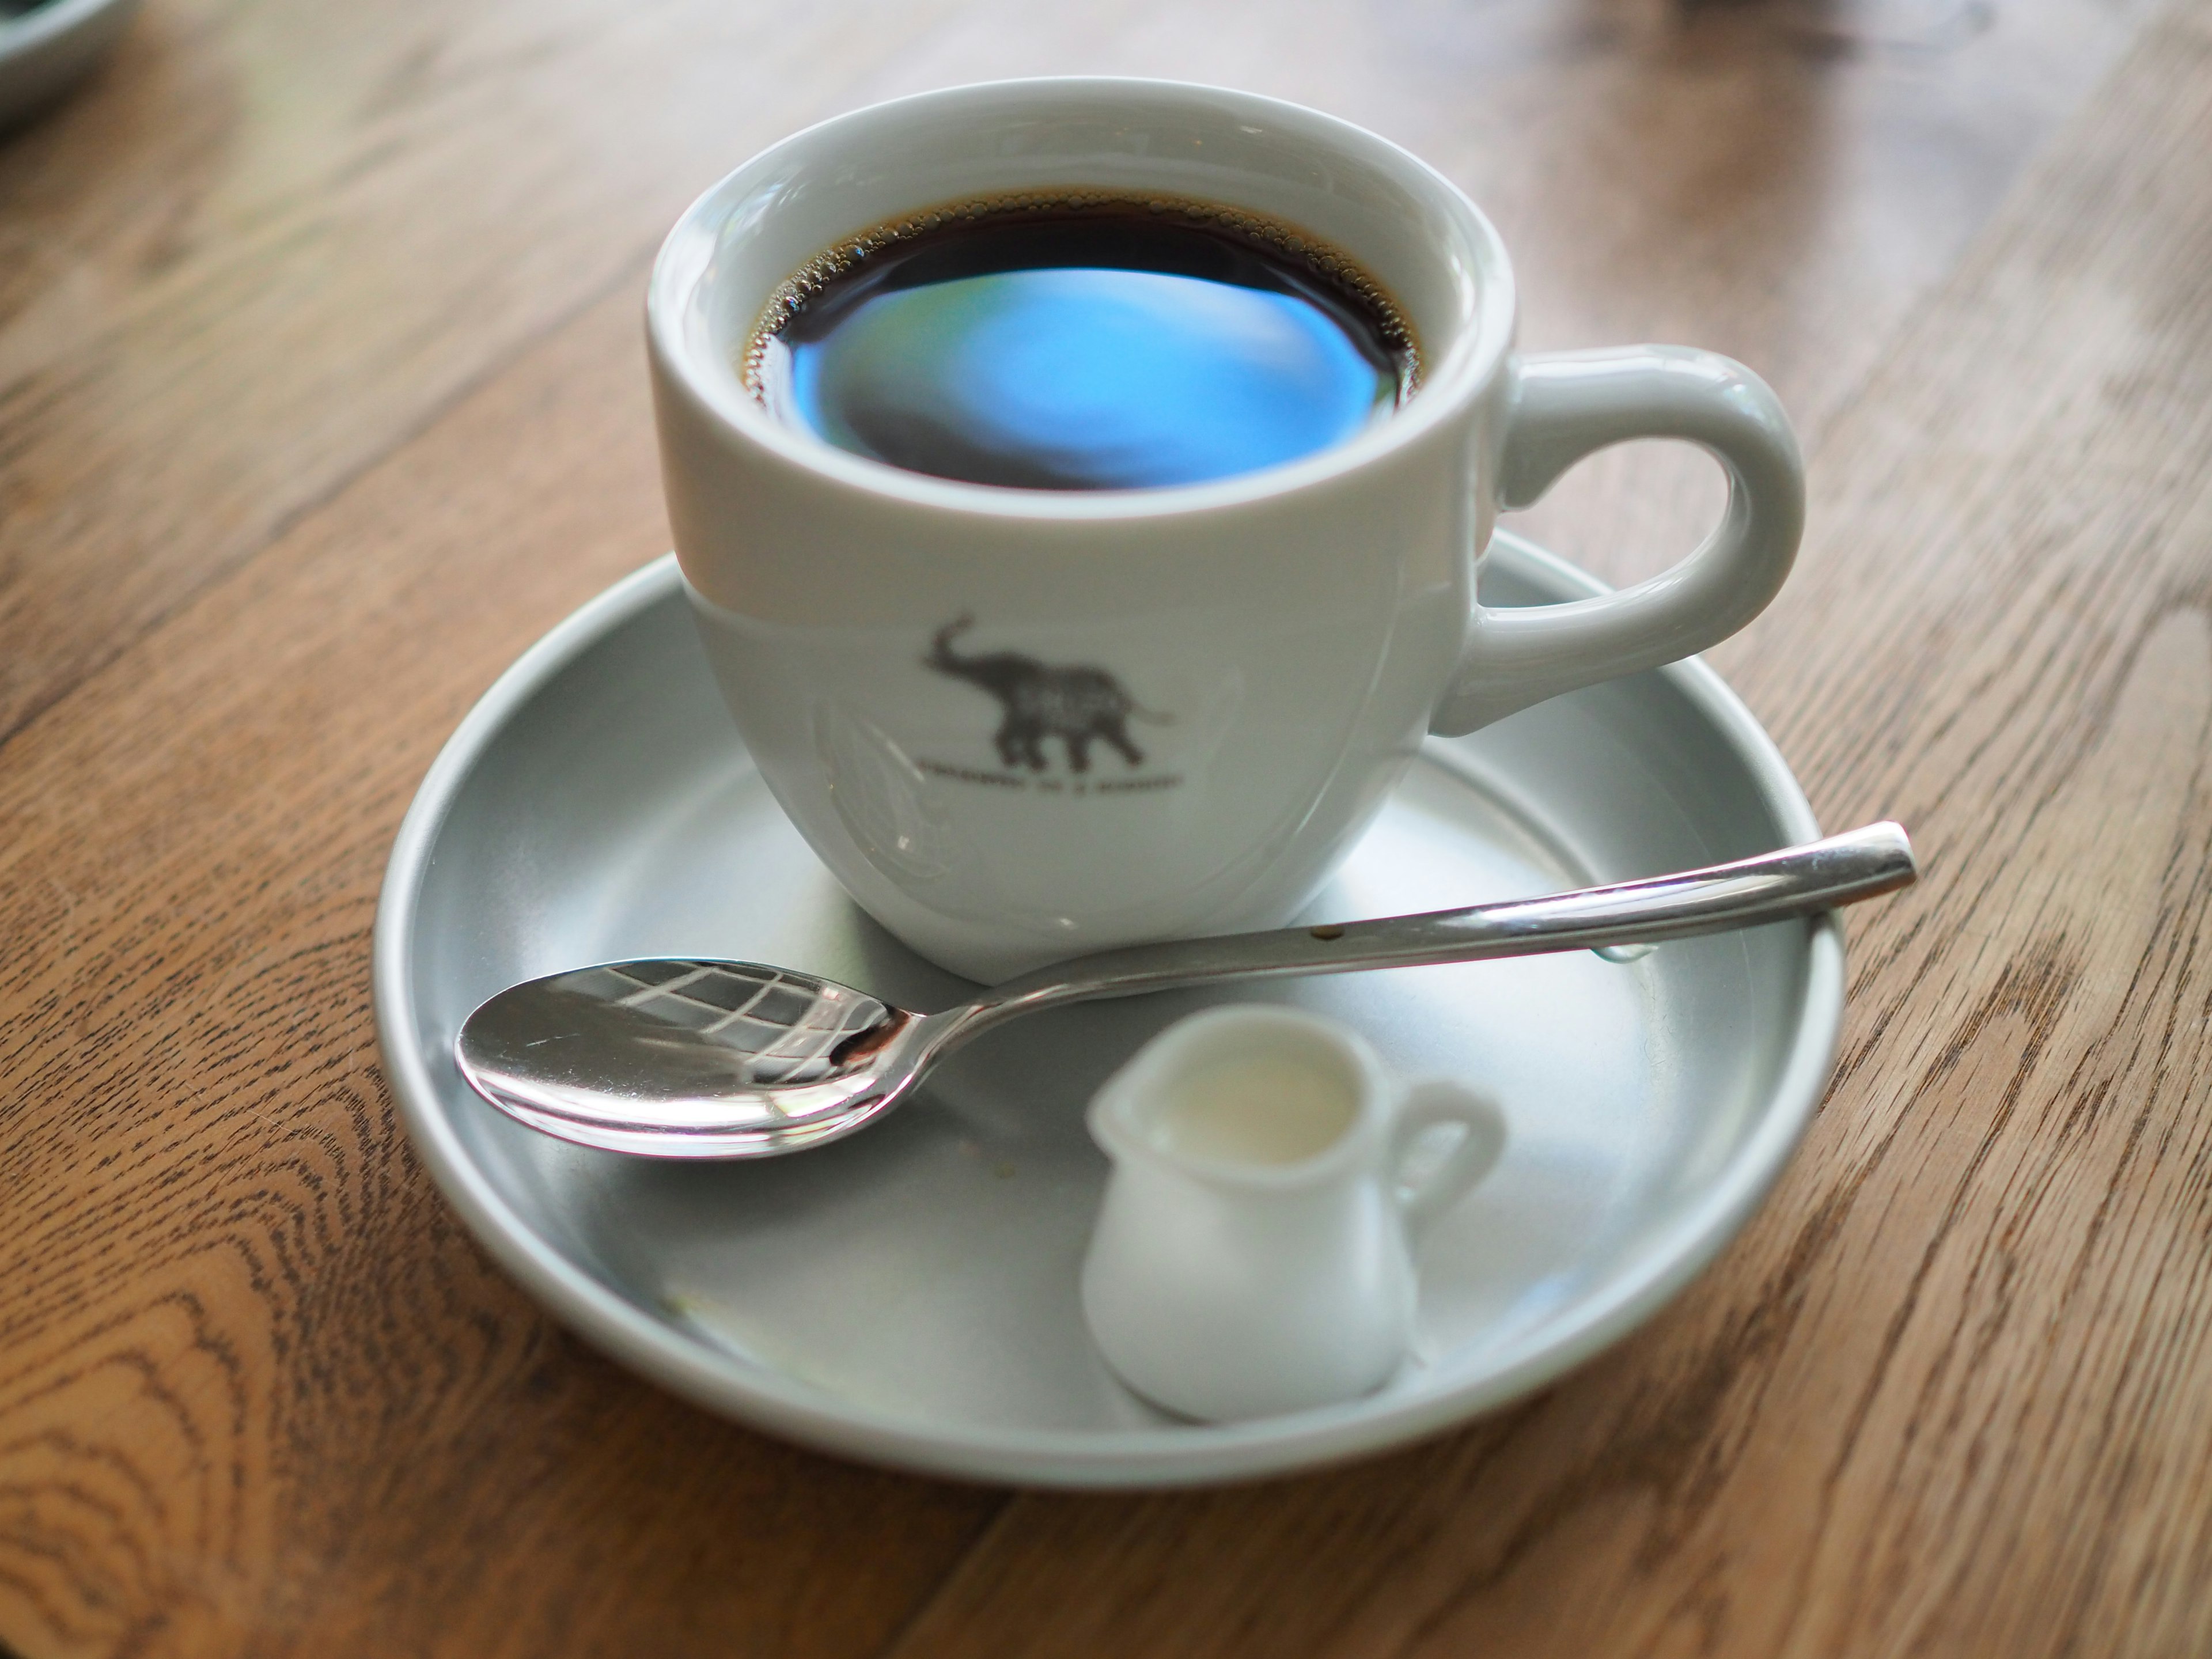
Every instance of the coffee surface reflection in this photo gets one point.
(1114, 346)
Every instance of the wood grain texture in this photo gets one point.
(320, 397)
(273, 241)
(258, 1394)
(1952, 1393)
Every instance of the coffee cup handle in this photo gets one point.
(1569, 405)
(1472, 1155)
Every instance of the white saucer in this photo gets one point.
(908, 1296)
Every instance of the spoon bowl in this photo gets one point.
(676, 1058)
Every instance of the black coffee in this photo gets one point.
(1085, 342)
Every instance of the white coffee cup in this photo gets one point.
(1269, 647)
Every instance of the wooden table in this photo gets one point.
(321, 395)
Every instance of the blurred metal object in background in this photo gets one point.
(47, 46)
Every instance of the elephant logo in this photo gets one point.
(1039, 700)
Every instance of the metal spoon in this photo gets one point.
(696, 1058)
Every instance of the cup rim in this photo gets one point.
(685, 260)
(1111, 1114)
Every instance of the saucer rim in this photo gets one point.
(1137, 1458)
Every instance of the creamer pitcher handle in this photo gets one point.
(1472, 1156)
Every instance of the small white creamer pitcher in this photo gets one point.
(1254, 1254)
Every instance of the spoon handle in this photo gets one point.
(1794, 881)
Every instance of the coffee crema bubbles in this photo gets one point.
(1081, 341)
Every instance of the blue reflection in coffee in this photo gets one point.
(1113, 346)
(1087, 380)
